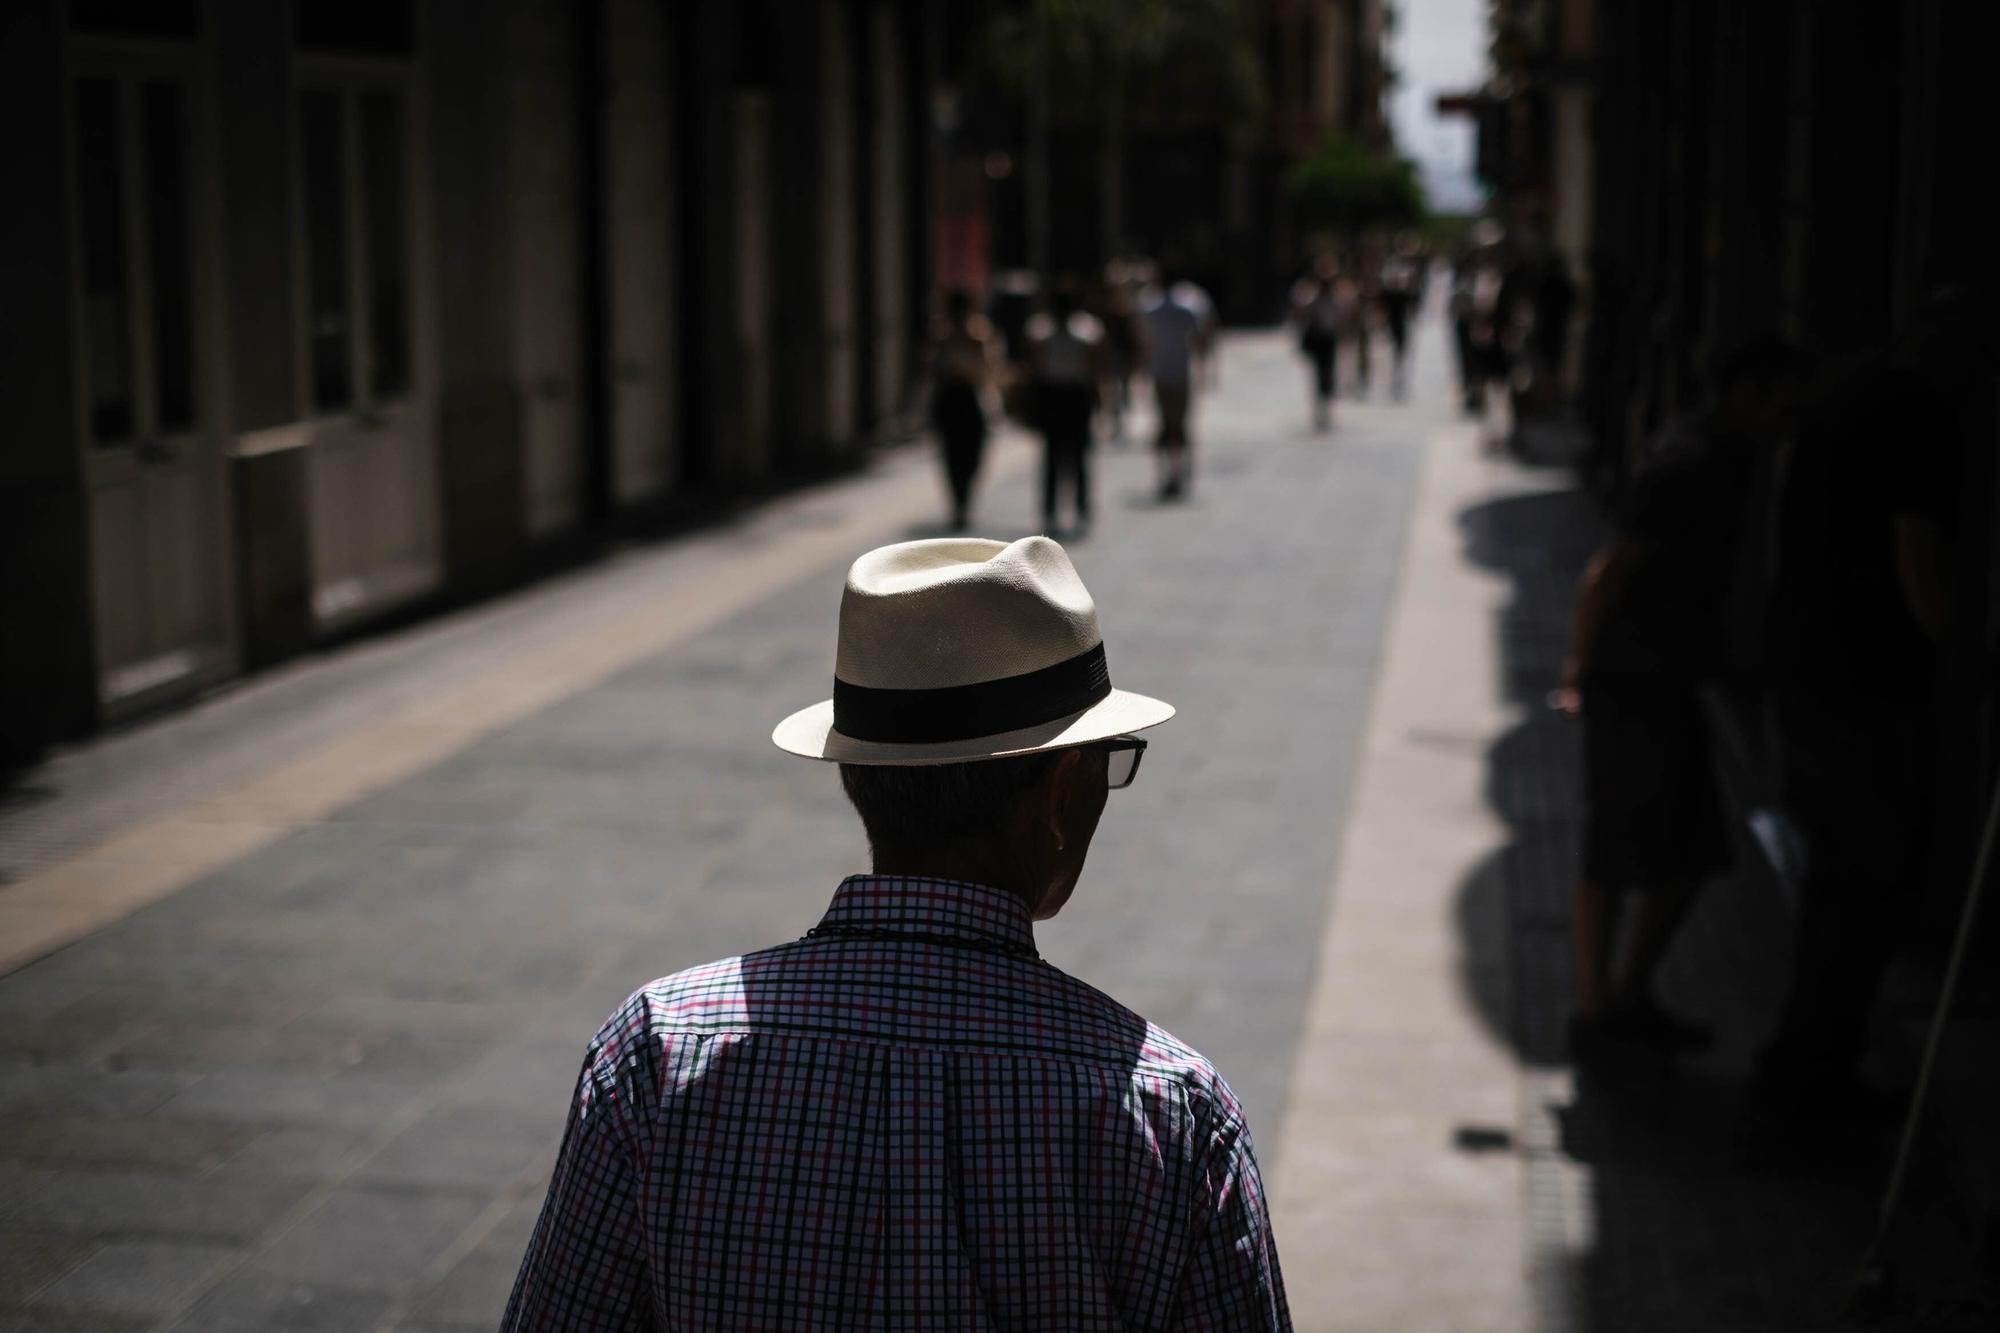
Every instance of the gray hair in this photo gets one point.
(920, 805)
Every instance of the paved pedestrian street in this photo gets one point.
(297, 980)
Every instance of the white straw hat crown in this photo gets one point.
(928, 614)
(962, 648)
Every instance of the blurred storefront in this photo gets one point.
(320, 313)
(1721, 170)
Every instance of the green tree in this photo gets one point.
(1347, 187)
(1115, 66)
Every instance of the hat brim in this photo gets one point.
(809, 733)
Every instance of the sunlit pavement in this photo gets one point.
(379, 901)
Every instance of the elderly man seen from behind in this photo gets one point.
(906, 1119)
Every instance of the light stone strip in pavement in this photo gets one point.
(58, 905)
(1398, 1179)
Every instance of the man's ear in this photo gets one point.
(1049, 795)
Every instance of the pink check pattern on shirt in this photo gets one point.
(904, 1121)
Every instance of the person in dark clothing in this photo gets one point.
(1485, 297)
(965, 363)
(1400, 287)
(1463, 311)
(1320, 303)
(1116, 308)
(1858, 626)
(1555, 303)
(1650, 633)
(1066, 359)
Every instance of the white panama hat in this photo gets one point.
(960, 648)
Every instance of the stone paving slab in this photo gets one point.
(261, 1303)
(71, 1203)
(72, 1321)
(31, 1260)
(143, 1278)
(383, 1237)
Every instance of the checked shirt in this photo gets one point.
(906, 1120)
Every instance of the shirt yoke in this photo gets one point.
(925, 997)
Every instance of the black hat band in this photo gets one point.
(961, 712)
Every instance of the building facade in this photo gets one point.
(318, 314)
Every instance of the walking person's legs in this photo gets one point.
(1066, 419)
(960, 423)
(1183, 441)
(962, 449)
(1080, 475)
(1051, 453)
(1172, 400)
(1471, 384)
(1187, 438)
(1072, 442)
(1323, 383)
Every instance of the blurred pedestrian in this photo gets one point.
(1008, 309)
(1118, 311)
(1066, 362)
(1483, 308)
(1554, 308)
(1861, 633)
(1208, 324)
(1400, 287)
(1512, 362)
(965, 367)
(1319, 309)
(1650, 634)
(1360, 330)
(1176, 330)
(1466, 334)
(906, 1119)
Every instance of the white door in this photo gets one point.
(639, 217)
(372, 469)
(542, 187)
(148, 405)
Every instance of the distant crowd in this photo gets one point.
(1063, 365)
(1066, 361)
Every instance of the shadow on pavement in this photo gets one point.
(1677, 1233)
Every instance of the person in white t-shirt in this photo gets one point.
(1066, 357)
(1196, 298)
(1178, 323)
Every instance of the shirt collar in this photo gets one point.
(958, 909)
